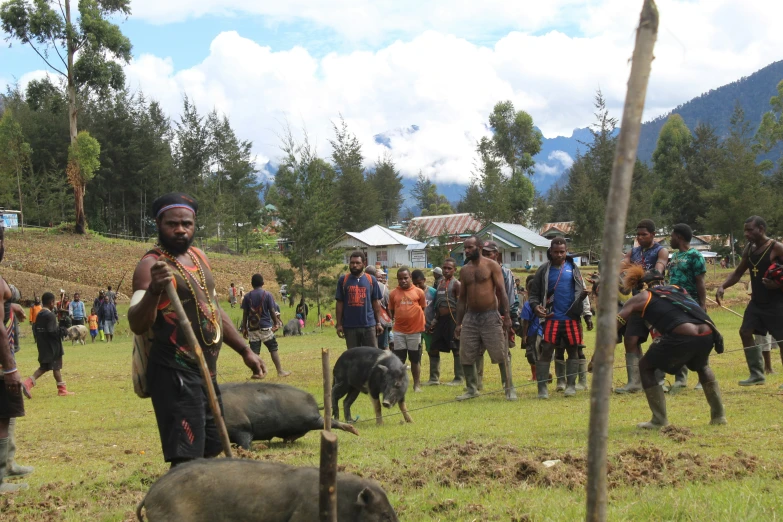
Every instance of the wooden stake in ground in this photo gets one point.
(611, 253)
(327, 390)
(327, 490)
(214, 405)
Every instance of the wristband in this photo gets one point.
(10, 371)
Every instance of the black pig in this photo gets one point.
(261, 411)
(369, 370)
(292, 327)
(213, 490)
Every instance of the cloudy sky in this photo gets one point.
(438, 64)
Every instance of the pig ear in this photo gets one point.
(383, 368)
(365, 498)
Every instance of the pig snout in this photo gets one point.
(386, 403)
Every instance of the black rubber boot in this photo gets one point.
(756, 366)
(434, 372)
(656, 398)
(634, 378)
(14, 469)
(471, 383)
(560, 371)
(572, 369)
(581, 384)
(480, 373)
(712, 392)
(542, 378)
(459, 374)
(681, 378)
(5, 487)
(508, 382)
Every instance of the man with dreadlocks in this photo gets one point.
(688, 335)
(764, 257)
(652, 257)
(185, 422)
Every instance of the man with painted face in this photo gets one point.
(443, 310)
(650, 256)
(482, 315)
(557, 295)
(764, 313)
(185, 422)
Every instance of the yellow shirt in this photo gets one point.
(93, 321)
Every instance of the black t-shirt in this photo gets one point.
(47, 337)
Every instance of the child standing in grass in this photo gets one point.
(92, 320)
(50, 348)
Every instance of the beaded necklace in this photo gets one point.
(201, 282)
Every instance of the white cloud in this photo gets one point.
(445, 84)
(561, 157)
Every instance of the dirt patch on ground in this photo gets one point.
(677, 433)
(474, 464)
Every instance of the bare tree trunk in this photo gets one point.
(19, 188)
(614, 228)
(78, 186)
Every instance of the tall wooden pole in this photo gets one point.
(187, 329)
(327, 487)
(327, 389)
(614, 228)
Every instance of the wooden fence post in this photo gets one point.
(614, 229)
(327, 491)
(327, 389)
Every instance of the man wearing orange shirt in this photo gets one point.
(406, 306)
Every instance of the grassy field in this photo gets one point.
(97, 452)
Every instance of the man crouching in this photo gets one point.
(185, 422)
(688, 335)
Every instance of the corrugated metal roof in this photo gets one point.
(566, 227)
(435, 225)
(523, 233)
(381, 236)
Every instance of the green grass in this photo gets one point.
(97, 452)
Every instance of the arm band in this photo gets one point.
(10, 371)
(621, 320)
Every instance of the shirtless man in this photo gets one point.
(443, 309)
(484, 317)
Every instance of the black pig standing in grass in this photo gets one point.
(214, 490)
(292, 327)
(369, 370)
(261, 411)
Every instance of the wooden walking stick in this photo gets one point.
(190, 335)
(614, 228)
(725, 308)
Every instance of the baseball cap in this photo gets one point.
(437, 270)
(490, 245)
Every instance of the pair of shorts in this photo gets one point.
(355, 337)
(185, 422)
(566, 332)
(50, 366)
(482, 331)
(94, 333)
(11, 405)
(671, 352)
(763, 320)
(443, 335)
(108, 327)
(409, 342)
(271, 345)
(637, 327)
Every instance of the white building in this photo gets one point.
(384, 246)
(518, 245)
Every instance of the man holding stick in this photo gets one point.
(765, 310)
(185, 422)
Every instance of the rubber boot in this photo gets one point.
(27, 387)
(434, 372)
(4, 486)
(634, 379)
(480, 373)
(712, 392)
(458, 373)
(660, 377)
(572, 370)
(508, 387)
(755, 365)
(533, 372)
(471, 382)
(581, 384)
(542, 376)
(102, 336)
(681, 378)
(14, 469)
(560, 371)
(416, 372)
(767, 362)
(62, 391)
(656, 398)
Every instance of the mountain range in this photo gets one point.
(714, 107)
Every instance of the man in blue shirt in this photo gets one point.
(260, 321)
(76, 310)
(358, 305)
(557, 295)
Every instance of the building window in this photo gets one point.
(540, 256)
(382, 256)
(513, 256)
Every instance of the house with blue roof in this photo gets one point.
(518, 245)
